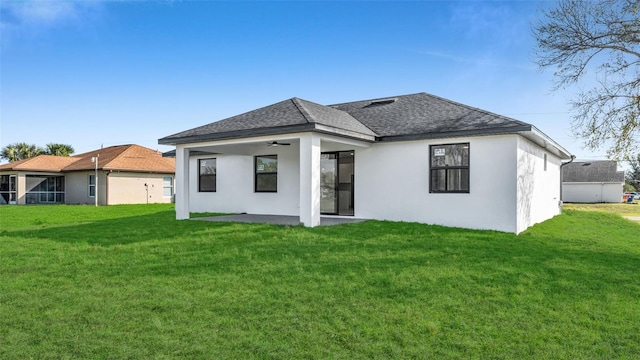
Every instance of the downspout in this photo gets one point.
(106, 184)
(573, 157)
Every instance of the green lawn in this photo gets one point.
(131, 282)
(616, 208)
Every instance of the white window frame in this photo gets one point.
(90, 185)
(167, 187)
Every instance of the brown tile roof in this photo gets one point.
(48, 163)
(133, 158)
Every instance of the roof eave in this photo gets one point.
(154, 171)
(268, 131)
(543, 140)
(460, 133)
(236, 134)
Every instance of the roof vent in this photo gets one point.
(381, 102)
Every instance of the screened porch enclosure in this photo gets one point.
(45, 189)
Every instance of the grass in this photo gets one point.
(132, 282)
(616, 208)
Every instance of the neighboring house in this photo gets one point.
(415, 158)
(592, 182)
(127, 174)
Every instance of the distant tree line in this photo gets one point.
(21, 151)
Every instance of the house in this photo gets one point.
(592, 182)
(127, 174)
(417, 157)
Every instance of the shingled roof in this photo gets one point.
(292, 115)
(393, 118)
(424, 115)
(593, 171)
(396, 118)
(134, 158)
(49, 163)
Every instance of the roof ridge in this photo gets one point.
(315, 121)
(84, 154)
(128, 148)
(303, 110)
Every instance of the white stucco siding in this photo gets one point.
(538, 192)
(592, 192)
(392, 183)
(235, 184)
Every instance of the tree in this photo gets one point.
(633, 175)
(577, 38)
(20, 151)
(59, 149)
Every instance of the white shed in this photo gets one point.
(592, 182)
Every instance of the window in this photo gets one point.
(207, 178)
(44, 189)
(266, 167)
(167, 186)
(92, 185)
(449, 170)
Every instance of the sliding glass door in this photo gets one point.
(336, 183)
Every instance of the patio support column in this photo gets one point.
(310, 180)
(182, 183)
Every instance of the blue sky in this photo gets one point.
(92, 73)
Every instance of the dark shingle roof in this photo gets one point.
(329, 116)
(592, 171)
(396, 118)
(422, 113)
(283, 117)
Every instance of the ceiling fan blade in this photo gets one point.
(275, 143)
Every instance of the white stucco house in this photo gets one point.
(592, 182)
(415, 157)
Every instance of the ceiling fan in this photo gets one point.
(275, 143)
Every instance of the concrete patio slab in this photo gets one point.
(276, 219)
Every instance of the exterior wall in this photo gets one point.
(392, 183)
(123, 187)
(235, 184)
(509, 189)
(538, 191)
(129, 188)
(77, 187)
(592, 192)
(21, 188)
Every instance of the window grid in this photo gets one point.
(449, 168)
(92, 186)
(167, 186)
(266, 173)
(207, 176)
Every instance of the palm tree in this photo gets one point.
(20, 151)
(59, 149)
(10, 152)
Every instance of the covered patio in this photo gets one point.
(300, 174)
